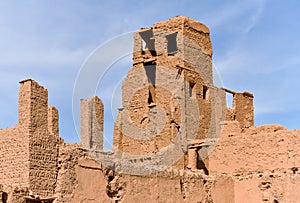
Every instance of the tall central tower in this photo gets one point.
(168, 95)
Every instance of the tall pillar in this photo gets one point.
(92, 111)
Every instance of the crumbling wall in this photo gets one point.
(171, 186)
(162, 92)
(43, 138)
(29, 150)
(92, 118)
(262, 148)
(242, 109)
(53, 118)
(66, 179)
(142, 115)
(172, 71)
(82, 179)
(93, 182)
(194, 47)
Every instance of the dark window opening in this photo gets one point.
(148, 40)
(191, 87)
(172, 44)
(4, 197)
(205, 92)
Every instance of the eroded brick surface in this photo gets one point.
(169, 100)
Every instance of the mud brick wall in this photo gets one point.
(91, 181)
(43, 144)
(14, 156)
(262, 148)
(244, 109)
(180, 83)
(29, 151)
(53, 121)
(92, 120)
(193, 42)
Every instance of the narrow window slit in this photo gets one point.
(205, 92)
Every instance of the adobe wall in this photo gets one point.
(281, 185)
(194, 44)
(43, 142)
(169, 96)
(242, 109)
(164, 91)
(29, 150)
(66, 178)
(80, 178)
(263, 161)
(262, 148)
(92, 120)
(92, 182)
(14, 157)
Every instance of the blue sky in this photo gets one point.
(256, 48)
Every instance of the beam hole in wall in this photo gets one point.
(172, 44)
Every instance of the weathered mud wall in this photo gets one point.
(29, 150)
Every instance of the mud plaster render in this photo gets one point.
(171, 101)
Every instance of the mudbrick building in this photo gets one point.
(174, 139)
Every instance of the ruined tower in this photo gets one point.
(169, 90)
(169, 100)
(169, 95)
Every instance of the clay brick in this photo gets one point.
(92, 118)
(169, 99)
